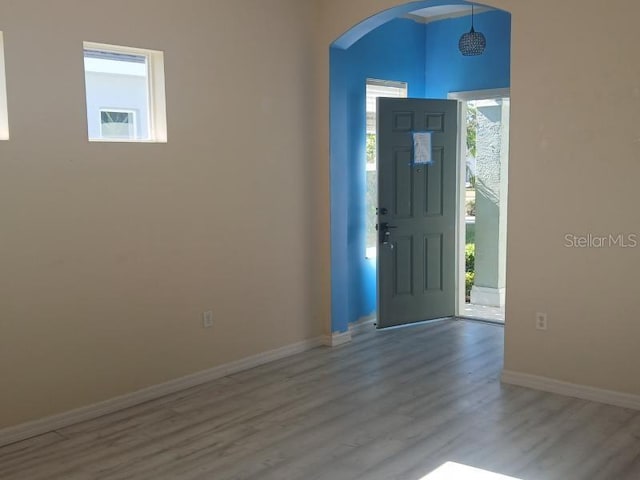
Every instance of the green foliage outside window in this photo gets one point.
(372, 191)
(371, 148)
(470, 261)
(472, 130)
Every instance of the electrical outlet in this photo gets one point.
(207, 319)
(541, 321)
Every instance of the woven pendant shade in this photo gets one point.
(472, 43)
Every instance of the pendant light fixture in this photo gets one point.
(472, 43)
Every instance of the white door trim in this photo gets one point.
(460, 209)
(463, 97)
(480, 94)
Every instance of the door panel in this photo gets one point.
(433, 267)
(417, 220)
(434, 185)
(403, 206)
(403, 263)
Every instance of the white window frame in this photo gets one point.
(4, 115)
(134, 116)
(156, 91)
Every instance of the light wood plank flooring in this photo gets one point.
(395, 404)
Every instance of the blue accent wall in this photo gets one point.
(427, 58)
(394, 51)
(448, 71)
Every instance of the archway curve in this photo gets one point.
(359, 30)
(339, 192)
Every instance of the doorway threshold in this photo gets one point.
(483, 312)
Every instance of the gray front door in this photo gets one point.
(416, 212)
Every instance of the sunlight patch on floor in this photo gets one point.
(457, 471)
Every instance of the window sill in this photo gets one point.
(122, 140)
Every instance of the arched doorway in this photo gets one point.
(380, 46)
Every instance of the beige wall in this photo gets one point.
(574, 168)
(109, 253)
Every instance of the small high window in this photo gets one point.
(4, 118)
(125, 94)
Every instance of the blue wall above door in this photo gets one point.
(448, 71)
(426, 57)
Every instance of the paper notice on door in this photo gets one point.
(422, 148)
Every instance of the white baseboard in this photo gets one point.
(362, 321)
(337, 338)
(610, 397)
(54, 422)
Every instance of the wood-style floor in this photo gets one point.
(391, 405)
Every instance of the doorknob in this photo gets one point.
(384, 233)
(384, 226)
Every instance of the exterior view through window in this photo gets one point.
(118, 124)
(375, 89)
(125, 93)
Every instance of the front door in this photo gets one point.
(416, 211)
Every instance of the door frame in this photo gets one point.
(334, 265)
(463, 97)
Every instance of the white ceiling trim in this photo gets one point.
(443, 12)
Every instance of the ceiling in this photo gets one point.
(431, 14)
